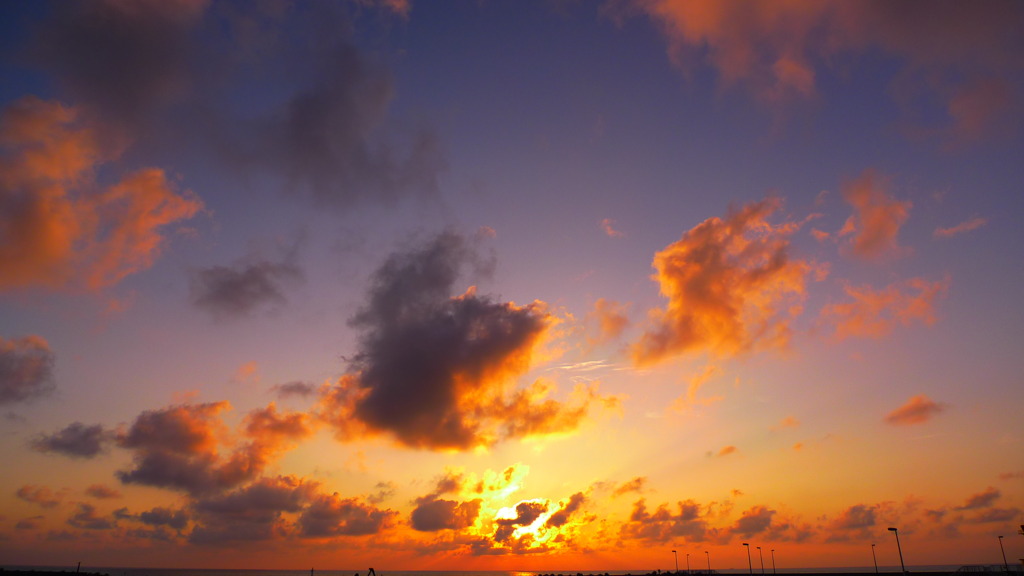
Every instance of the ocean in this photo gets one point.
(119, 571)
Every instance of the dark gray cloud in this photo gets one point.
(251, 513)
(101, 492)
(121, 60)
(982, 499)
(297, 388)
(41, 495)
(172, 75)
(76, 440)
(159, 516)
(754, 521)
(663, 525)
(433, 513)
(87, 519)
(177, 448)
(439, 514)
(242, 289)
(856, 517)
(332, 515)
(26, 369)
(562, 515)
(433, 367)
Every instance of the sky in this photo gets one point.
(501, 285)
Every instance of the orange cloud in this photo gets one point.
(180, 447)
(787, 422)
(778, 50)
(610, 319)
(608, 226)
(877, 217)
(726, 450)
(731, 287)
(874, 313)
(58, 227)
(917, 410)
(961, 228)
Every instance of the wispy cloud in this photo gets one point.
(877, 217)
(871, 313)
(66, 230)
(26, 369)
(918, 410)
(961, 228)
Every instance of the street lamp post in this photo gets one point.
(761, 555)
(1001, 549)
(687, 562)
(873, 558)
(706, 553)
(676, 556)
(897, 533)
(750, 565)
(773, 560)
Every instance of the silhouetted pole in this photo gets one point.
(687, 562)
(1005, 565)
(873, 557)
(898, 548)
(750, 564)
(773, 560)
(676, 556)
(761, 555)
(709, 558)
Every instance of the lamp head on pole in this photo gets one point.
(892, 529)
(746, 544)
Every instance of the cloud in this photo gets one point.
(635, 485)
(918, 410)
(608, 227)
(102, 492)
(961, 228)
(877, 217)
(731, 287)
(562, 515)
(606, 321)
(440, 514)
(240, 290)
(296, 388)
(76, 440)
(787, 422)
(26, 369)
(59, 228)
(123, 60)
(332, 515)
(663, 525)
(779, 53)
(726, 450)
(41, 495)
(87, 519)
(981, 500)
(436, 371)
(432, 513)
(159, 516)
(166, 75)
(179, 447)
(754, 521)
(525, 514)
(252, 513)
(855, 518)
(995, 515)
(875, 313)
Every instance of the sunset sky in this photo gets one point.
(548, 285)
